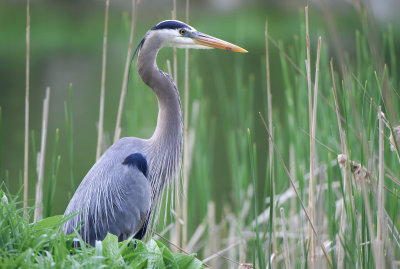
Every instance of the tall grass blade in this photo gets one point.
(270, 147)
(68, 112)
(1, 132)
(258, 243)
(55, 166)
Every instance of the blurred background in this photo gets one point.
(66, 49)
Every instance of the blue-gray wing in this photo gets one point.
(114, 197)
(132, 209)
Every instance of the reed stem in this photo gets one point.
(270, 147)
(26, 141)
(285, 240)
(186, 161)
(103, 84)
(311, 200)
(38, 214)
(177, 187)
(311, 223)
(380, 217)
(134, 14)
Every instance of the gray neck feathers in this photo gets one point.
(165, 146)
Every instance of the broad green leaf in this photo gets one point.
(135, 254)
(187, 261)
(169, 259)
(49, 222)
(139, 264)
(111, 249)
(155, 259)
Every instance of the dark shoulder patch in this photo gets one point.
(138, 160)
(170, 24)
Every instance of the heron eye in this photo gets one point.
(182, 31)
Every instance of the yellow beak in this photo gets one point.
(212, 42)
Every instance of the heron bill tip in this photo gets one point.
(212, 42)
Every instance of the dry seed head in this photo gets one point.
(360, 172)
(396, 131)
(342, 159)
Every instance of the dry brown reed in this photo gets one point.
(186, 158)
(175, 56)
(176, 196)
(134, 14)
(311, 200)
(212, 229)
(232, 222)
(270, 148)
(103, 84)
(38, 214)
(26, 136)
(340, 256)
(293, 204)
(369, 220)
(219, 254)
(325, 252)
(360, 173)
(196, 237)
(380, 217)
(285, 240)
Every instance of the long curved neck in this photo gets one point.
(166, 143)
(169, 122)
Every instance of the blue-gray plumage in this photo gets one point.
(121, 191)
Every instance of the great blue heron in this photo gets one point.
(120, 192)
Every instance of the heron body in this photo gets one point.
(120, 192)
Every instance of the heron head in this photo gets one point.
(180, 35)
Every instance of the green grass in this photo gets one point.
(42, 245)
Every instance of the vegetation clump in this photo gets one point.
(42, 245)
